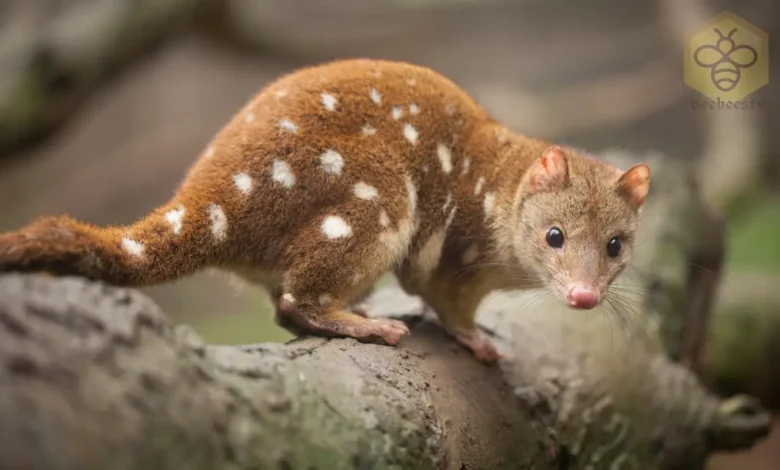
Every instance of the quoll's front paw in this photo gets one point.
(480, 345)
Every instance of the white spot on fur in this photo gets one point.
(449, 109)
(329, 101)
(466, 166)
(410, 133)
(478, 187)
(175, 217)
(287, 125)
(365, 191)
(332, 162)
(397, 112)
(447, 202)
(489, 203)
(281, 93)
(133, 247)
(384, 219)
(445, 157)
(368, 130)
(249, 118)
(357, 278)
(471, 254)
(430, 254)
(376, 97)
(414, 109)
(336, 227)
(450, 217)
(425, 168)
(288, 298)
(243, 182)
(325, 299)
(411, 82)
(501, 136)
(282, 174)
(411, 192)
(209, 151)
(219, 222)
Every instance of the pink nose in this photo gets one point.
(583, 297)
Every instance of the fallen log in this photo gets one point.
(94, 377)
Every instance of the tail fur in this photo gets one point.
(157, 248)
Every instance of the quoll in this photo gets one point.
(337, 173)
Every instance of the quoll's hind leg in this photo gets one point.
(331, 264)
(280, 318)
(455, 304)
(284, 313)
(336, 322)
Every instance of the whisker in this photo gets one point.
(631, 309)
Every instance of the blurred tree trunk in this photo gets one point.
(54, 55)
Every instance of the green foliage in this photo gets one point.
(754, 234)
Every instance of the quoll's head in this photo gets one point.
(577, 219)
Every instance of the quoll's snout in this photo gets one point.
(583, 297)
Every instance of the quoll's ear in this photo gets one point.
(550, 171)
(634, 184)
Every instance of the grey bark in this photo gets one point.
(94, 377)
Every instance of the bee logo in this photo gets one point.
(725, 59)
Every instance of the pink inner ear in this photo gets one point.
(635, 184)
(550, 170)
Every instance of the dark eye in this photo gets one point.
(613, 247)
(555, 237)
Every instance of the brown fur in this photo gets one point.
(274, 234)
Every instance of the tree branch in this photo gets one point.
(95, 378)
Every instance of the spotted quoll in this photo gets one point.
(337, 173)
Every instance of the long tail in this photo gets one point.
(167, 244)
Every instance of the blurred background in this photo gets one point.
(105, 103)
